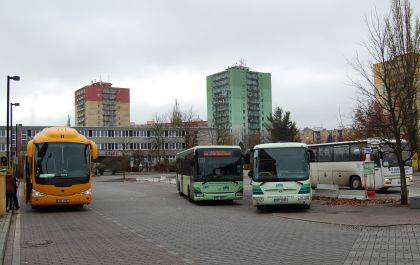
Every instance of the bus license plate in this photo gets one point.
(281, 199)
(219, 197)
(62, 200)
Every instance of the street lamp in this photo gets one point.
(11, 123)
(15, 78)
(16, 138)
(16, 149)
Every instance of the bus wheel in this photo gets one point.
(306, 206)
(79, 205)
(260, 207)
(179, 189)
(189, 195)
(355, 183)
(34, 207)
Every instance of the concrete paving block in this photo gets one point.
(413, 192)
(327, 187)
(352, 194)
(326, 193)
(414, 202)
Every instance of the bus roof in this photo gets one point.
(280, 145)
(200, 147)
(374, 141)
(60, 134)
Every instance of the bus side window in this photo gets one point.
(325, 153)
(355, 154)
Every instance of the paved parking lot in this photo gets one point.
(142, 222)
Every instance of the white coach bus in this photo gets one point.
(342, 164)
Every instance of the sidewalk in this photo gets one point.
(4, 226)
(370, 215)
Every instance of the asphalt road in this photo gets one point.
(140, 222)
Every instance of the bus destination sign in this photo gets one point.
(218, 153)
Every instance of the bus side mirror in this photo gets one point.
(250, 174)
(94, 150)
(311, 155)
(30, 149)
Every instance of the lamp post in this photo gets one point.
(15, 78)
(16, 149)
(11, 123)
(16, 137)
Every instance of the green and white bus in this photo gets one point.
(280, 174)
(210, 173)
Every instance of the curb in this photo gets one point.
(5, 233)
(343, 224)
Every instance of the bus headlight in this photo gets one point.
(86, 192)
(36, 193)
(198, 194)
(238, 194)
(259, 199)
(303, 198)
(410, 179)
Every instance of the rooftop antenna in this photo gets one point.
(242, 62)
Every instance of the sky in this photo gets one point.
(163, 50)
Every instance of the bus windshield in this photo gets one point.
(219, 168)
(62, 163)
(389, 158)
(281, 164)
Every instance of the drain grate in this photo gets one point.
(36, 243)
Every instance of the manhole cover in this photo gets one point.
(36, 243)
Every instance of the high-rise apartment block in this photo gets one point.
(239, 100)
(100, 104)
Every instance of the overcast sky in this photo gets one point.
(163, 50)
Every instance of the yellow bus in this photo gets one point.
(59, 168)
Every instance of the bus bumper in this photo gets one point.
(304, 199)
(396, 182)
(217, 196)
(75, 199)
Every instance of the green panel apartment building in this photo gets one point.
(239, 100)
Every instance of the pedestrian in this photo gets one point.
(11, 190)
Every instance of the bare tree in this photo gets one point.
(176, 116)
(393, 45)
(158, 136)
(185, 122)
(188, 123)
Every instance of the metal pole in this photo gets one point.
(16, 153)
(7, 122)
(11, 125)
